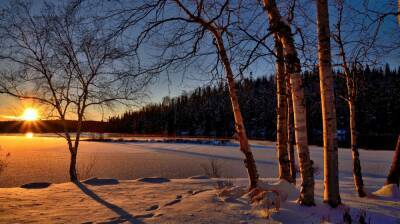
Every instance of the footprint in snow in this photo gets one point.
(151, 208)
(172, 202)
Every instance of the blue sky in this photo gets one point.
(174, 83)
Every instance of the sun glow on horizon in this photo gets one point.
(29, 135)
(30, 114)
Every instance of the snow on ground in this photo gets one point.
(175, 201)
(390, 190)
(179, 200)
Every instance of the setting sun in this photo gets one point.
(30, 114)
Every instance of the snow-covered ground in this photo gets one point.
(46, 159)
(176, 201)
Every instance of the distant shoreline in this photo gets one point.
(159, 138)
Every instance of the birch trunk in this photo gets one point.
(357, 174)
(239, 125)
(331, 169)
(300, 120)
(351, 99)
(73, 175)
(72, 166)
(290, 128)
(394, 173)
(281, 124)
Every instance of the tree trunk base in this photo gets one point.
(394, 173)
(250, 164)
(333, 203)
(73, 176)
(305, 202)
(361, 193)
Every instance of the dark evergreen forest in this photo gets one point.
(206, 111)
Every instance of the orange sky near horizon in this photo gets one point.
(12, 108)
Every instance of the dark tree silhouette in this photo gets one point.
(67, 61)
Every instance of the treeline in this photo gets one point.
(50, 126)
(206, 111)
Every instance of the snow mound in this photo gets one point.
(287, 191)
(390, 190)
(300, 215)
(37, 185)
(98, 182)
(154, 180)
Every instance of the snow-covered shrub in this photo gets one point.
(86, 169)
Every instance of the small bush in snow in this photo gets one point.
(3, 160)
(86, 169)
(212, 169)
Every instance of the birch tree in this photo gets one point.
(290, 128)
(331, 167)
(282, 114)
(192, 34)
(217, 32)
(283, 30)
(61, 58)
(354, 52)
(351, 79)
(393, 176)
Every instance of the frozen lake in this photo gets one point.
(47, 159)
